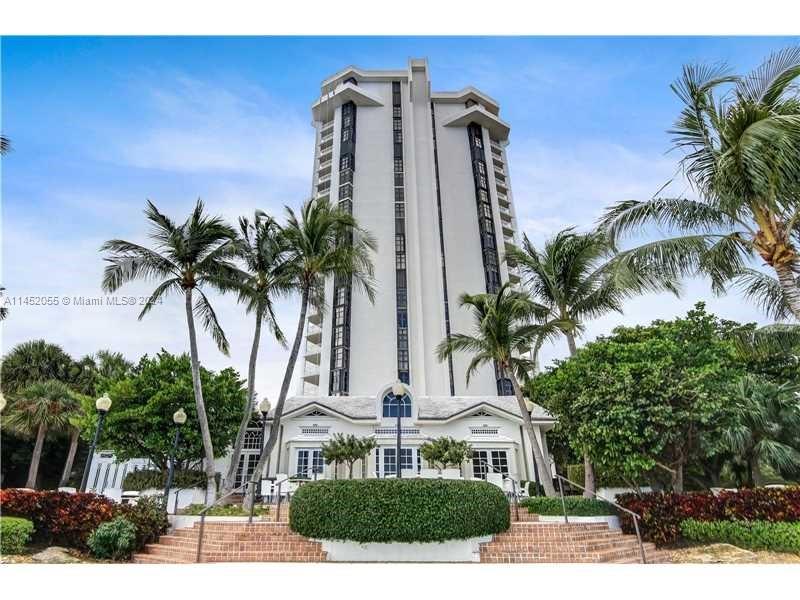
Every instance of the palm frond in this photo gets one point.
(204, 310)
(770, 80)
(764, 291)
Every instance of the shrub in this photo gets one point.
(15, 532)
(398, 510)
(148, 479)
(662, 513)
(577, 506)
(115, 539)
(753, 535)
(149, 518)
(58, 517)
(229, 510)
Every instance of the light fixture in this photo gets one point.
(264, 405)
(398, 389)
(103, 403)
(179, 417)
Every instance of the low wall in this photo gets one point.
(449, 551)
(612, 520)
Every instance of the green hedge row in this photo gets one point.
(398, 510)
(577, 506)
(752, 535)
(148, 479)
(15, 532)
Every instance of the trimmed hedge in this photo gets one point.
(15, 532)
(227, 510)
(153, 479)
(577, 506)
(752, 535)
(662, 513)
(115, 540)
(398, 510)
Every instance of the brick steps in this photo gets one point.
(560, 542)
(260, 541)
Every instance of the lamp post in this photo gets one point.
(263, 408)
(103, 405)
(398, 391)
(179, 418)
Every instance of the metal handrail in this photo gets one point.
(177, 493)
(636, 517)
(514, 483)
(203, 517)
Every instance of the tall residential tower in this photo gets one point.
(426, 173)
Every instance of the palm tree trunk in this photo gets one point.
(538, 457)
(247, 412)
(36, 457)
(589, 478)
(73, 448)
(202, 418)
(287, 380)
(791, 287)
(755, 469)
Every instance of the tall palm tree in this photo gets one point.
(36, 409)
(766, 428)
(33, 361)
(742, 154)
(186, 259)
(262, 249)
(578, 277)
(5, 145)
(74, 422)
(505, 328)
(322, 242)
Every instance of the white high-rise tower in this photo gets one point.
(426, 173)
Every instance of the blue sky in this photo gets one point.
(100, 124)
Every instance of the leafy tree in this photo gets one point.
(503, 330)
(742, 154)
(765, 429)
(187, 259)
(347, 449)
(646, 397)
(445, 451)
(579, 277)
(262, 249)
(36, 361)
(36, 409)
(140, 421)
(322, 242)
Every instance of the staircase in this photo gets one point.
(528, 541)
(235, 541)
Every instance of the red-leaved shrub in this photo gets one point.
(662, 512)
(58, 517)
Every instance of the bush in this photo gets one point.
(577, 506)
(229, 510)
(149, 479)
(149, 518)
(662, 513)
(15, 532)
(115, 540)
(58, 517)
(753, 535)
(398, 510)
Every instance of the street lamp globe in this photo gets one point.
(264, 406)
(103, 403)
(398, 389)
(179, 417)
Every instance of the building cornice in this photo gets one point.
(498, 129)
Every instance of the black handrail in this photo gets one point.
(636, 517)
(513, 484)
(203, 517)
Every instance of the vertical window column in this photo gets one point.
(339, 384)
(403, 368)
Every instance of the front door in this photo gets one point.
(386, 460)
(484, 461)
(309, 463)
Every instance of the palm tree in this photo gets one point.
(37, 409)
(5, 145)
(504, 330)
(742, 154)
(34, 361)
(261, 248)
(766, 428)
(187, 259)
(579, 277)
(322, 242)
(74, 422)
(3, 308)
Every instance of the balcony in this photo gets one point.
(316, 316)
(324, 168)
(313, 333)
(309, 389)
(502, 199)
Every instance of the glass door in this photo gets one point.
(386, 461)
(309, 463)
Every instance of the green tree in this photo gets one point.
(36, 361)
(140, 421)
(579, 277)
(443, 452)
(262, 249)
(765, 429)
(742, 154)
(74, 421)
(347, 449)
(323, 242)
(187, 259)
(36, 409)
(646, 397)
(504, 329)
